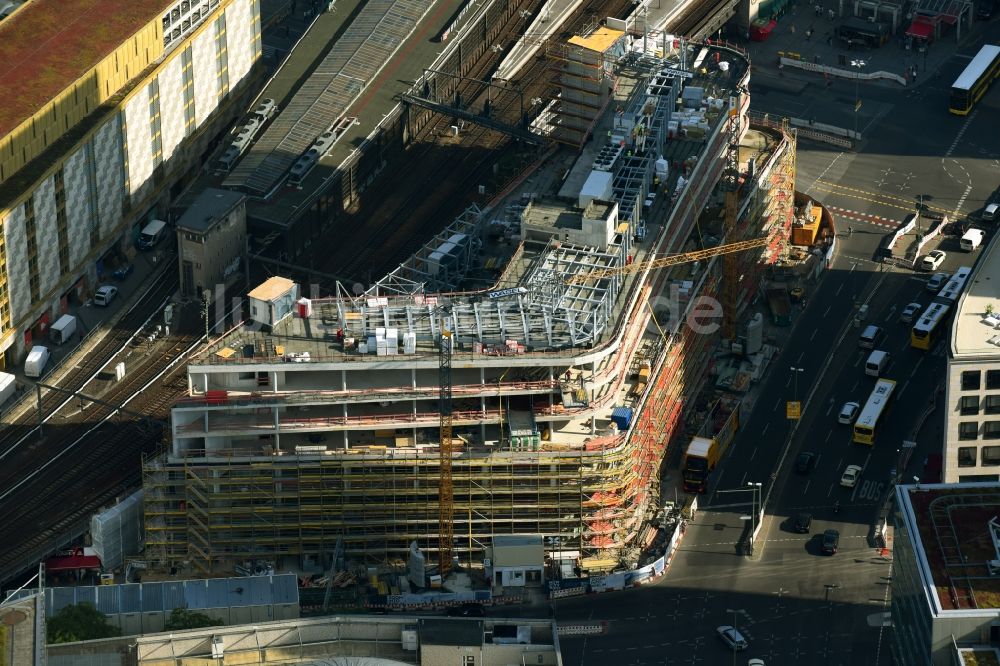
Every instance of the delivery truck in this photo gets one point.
(62, 331)
(37, 359)
(152, 234)
(8, 385)
(705, 450)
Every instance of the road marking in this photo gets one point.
(830, 306)
(828, 433)
(754, 453)
(811, 337)
(817, 459)
(830, 408)
(905, 384)
(776, 405)
(958, 137)
(855, 386)
(788, 381)
(830, 491)
(744, 479)
(799, 362)
(806, 489)
(864, 468)
(856, 361)
(839, 463)
(839, 288)
(764, 431)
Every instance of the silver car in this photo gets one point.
(909, 313)
(732, 637)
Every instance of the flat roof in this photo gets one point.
(456, 632)
(600, 40)
(514, 540)
(46, 46)
(953, 544)
(974, 334)
(272, 288)
(208, 208)
(553, 214)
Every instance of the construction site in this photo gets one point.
(428, 411)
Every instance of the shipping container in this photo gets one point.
(63, 330)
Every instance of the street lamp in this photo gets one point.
(795, 391)
(858, 64)
(754, 510)
(734, 611)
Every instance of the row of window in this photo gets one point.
(969, 405)
(989, 456)
(970, 430)
(972, 380)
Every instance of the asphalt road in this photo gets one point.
(793, 604)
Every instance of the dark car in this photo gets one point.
(805, 462)
(123, 271)
(831, 540)
(467, 610)
(803, 522)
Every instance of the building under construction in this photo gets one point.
(317, 424)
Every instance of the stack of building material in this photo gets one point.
(381, 347)
(409, 343)
(391, 341)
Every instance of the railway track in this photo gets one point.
(51, 485)
(163, 286)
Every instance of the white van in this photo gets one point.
(972, 239)
(990, 212)
(34, 365)
(877, 361)
(870, 337)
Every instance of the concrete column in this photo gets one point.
(274, 381)
(277, 431)
(343, 380)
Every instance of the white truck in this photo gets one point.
(8, 384)
(37, 359)
(152, 234)
(62, 331)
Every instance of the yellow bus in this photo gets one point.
(871, 415)
(973, 83)
(924, 333)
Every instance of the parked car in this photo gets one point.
(850, 477)
(848, 413)
(732, 637)
(909, 313)
(831, 541)
(123, 271)
(756, 662)
(805, 462)
(803, 522)
(937, 281)
(105, 294)
(933, 260)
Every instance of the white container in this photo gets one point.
(63, 329)
(362, 347)
(38, 357)
(8, 384)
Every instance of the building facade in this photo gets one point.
(325, 426)
(972, 387)
(211, 240)
(97, 132)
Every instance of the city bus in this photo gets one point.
(952, 289)
(871, 415)
(973, 83)
(925, 331)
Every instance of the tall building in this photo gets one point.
(945, 582)
(317, 423)
(107, 108)
(972, 390)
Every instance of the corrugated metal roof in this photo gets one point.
(167, 595)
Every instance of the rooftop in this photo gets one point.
(514, 540)
(451, 632)
(956, 542)
(46, 46)
(210, 206)
(974, 334)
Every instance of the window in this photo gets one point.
(991, 456)
(966, 456)
(970, 380)
(993, 379)
(991, 430)
(969, 405)
(968, 430)
(992, 404)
